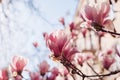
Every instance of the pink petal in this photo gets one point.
(109, 25)
(105, 9)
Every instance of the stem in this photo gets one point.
(109, 32)
(72, 76)
(99, 27)
(94, 71)
(103, 75)
(67, 63)
(74, 67)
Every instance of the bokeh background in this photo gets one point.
(22, 23)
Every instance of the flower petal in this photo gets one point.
(109, 25)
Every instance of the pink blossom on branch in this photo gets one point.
(18, 64)
(107, 62)
(107, 59)
(97, 14)
(62, 21)
(61, 44)
(35, 76)
(35, 44)
(54, 73)
(3, 74)
(43, 67)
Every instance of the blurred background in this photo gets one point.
(22, 23)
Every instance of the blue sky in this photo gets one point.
(54, 9)
(27, 20)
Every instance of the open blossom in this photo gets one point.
(97, 14)
(3, 74)
(60, 43)
(18, 64)
(43, 67)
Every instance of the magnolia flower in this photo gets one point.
(61, 44)
(84, 32)
(65, 72)
(54, 74)
(82, 57)
(18, 77)
(107, 59)
(17, 65)
(97, 15)
(62, 21)
(74, 29)
(43, 67)
(3, 74)
(107, 62)
(34, 76)
(35, 44)
(55, 71)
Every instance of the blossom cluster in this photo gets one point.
(79, 46)
(79, 50)
(18, 66)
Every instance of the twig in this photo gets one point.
(94, 71)
(110, 32)
(75, 70)
(99, 27)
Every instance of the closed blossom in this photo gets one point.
(3, 74)
(43, 67)
(54, 74)
(35, 76)
(107, 59)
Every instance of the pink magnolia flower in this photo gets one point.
(107, 62)
(84, 32)
(18, 77)
(3, 74)
(62, 21)
(35, 76)
(82, 57)
(54, 74)
(61, 44)
(97, 15)
(35, 44)
(55, 71)
(18, 64)
(107, 59)
(74, 29)
(65, 72)
(43, 67)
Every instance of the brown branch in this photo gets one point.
(99, 27)
(103, 30)
(75, 70)
(94, 71)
